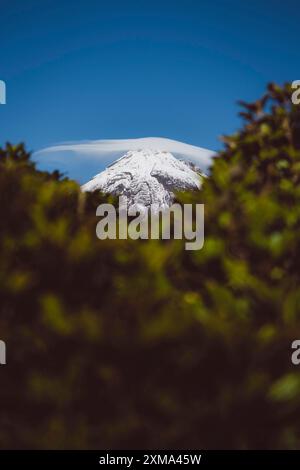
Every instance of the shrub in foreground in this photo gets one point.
(142, 344)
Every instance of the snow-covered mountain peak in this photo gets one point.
(146, 176)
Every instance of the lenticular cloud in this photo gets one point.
(82, 160)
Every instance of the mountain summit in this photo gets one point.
(144, 158)
(147, 177)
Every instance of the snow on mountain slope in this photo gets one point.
(147, 170)
(146, 177)
(82, 160)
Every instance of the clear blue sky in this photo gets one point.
(91, 69)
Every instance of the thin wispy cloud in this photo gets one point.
(82, 160)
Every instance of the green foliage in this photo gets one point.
(141, 344)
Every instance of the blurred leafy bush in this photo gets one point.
(141, 344)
